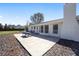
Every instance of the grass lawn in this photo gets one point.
(8, 32)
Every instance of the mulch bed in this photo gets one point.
(9, 46)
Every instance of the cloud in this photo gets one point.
(1, 16)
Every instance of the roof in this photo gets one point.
(52, 21)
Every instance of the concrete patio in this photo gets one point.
(37, 45)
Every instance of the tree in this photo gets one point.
(1, 27)
(5, 27)
(26, 28)
(37, 18)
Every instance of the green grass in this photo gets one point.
(8, 32)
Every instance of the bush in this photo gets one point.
(1, 27)
(8, 28)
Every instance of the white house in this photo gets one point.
(66, 28)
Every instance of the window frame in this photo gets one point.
(46, 28)
(55, 28)
(41, 28)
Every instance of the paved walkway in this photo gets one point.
(37, 45)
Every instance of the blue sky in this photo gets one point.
(19, 13)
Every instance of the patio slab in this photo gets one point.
(36, 46)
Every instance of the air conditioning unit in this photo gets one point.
(77, 18)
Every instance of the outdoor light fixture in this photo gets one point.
(77, 18)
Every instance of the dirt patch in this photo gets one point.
(9, 46)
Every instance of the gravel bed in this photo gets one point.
(64, 48)
(9, 46)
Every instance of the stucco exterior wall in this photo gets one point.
(50, 31)
(70, 29)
